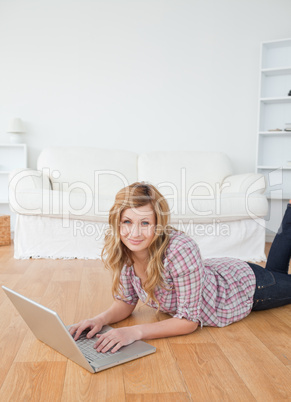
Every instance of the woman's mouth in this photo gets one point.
(134, 242)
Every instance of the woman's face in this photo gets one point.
(137, 228)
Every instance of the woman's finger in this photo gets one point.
(72, 329)
(93, 331)
(102, 341)
(78, 332)
(116, 347)
(81, 327)
(104, 348)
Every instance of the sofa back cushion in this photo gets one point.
(79, 169)
(187, 172)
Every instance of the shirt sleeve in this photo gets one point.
(127, 291)
(187, 271)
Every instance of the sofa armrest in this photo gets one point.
(244, 183)
(28, 179)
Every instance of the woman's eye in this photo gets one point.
(126, 222)
(145, 223)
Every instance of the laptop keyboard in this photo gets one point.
(86, 347)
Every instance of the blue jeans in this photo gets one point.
(273, 284)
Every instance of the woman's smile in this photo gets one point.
(135, 242)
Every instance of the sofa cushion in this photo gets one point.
(60, 204)
(184, 171)
(226, 207)
(88, 169)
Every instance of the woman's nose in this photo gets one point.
(135, 230)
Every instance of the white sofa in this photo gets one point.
(62, 207)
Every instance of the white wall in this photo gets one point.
(137, 74)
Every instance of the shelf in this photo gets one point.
(275, 133)
(276, 71)
(284, 99)
(278, 197)
(273, 167)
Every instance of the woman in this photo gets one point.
(162, 267)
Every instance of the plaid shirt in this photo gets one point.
(214, 292)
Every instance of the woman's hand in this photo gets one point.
(94, 324)
(117, 337)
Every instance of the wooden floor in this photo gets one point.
(247, 361)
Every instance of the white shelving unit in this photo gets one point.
(12, 156)
(274, 147)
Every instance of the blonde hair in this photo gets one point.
(115, 254)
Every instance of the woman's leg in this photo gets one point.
(273, 284)
(273, 289)
(280, 252)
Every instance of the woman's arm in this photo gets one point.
(124, 336)
(165, 328)
(118, 311)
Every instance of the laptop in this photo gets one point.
(47, 326)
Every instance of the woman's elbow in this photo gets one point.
(190, 326)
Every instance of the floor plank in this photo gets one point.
(265, 375)
(168, 397)
(273, 333)
(157, 373)
(12, 335)
(208, 374)
(34, 381)
(80, 385)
